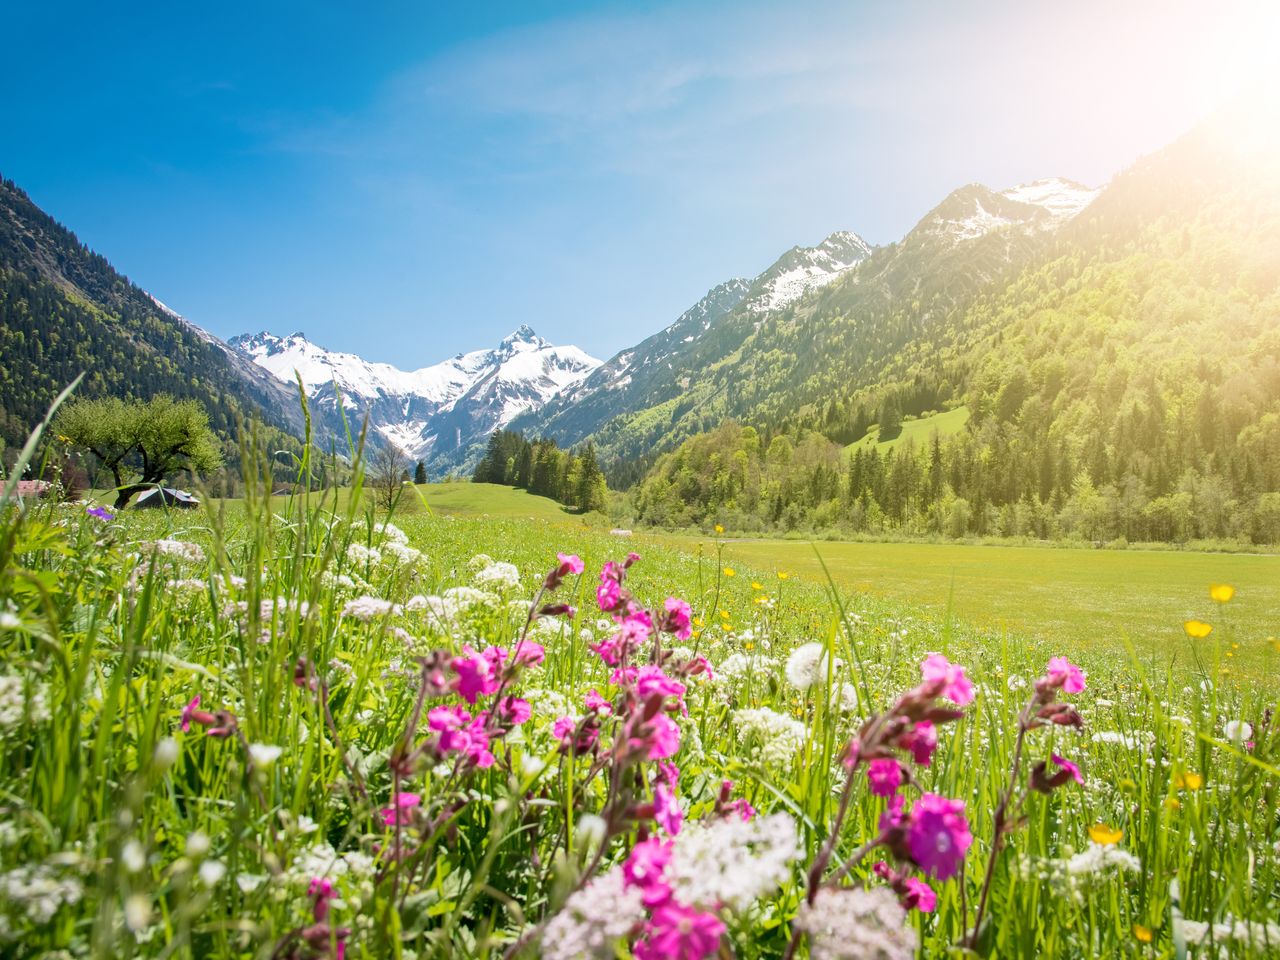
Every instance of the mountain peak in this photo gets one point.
(523, 335)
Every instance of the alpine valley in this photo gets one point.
(1100, 358)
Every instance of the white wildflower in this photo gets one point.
(856, 924)
(39, 891)
(1191, 931)
(212, 871)
(808, 666)
(166, 753)
(1016, 683)
(132, 856)
(402, 553)
(177, 549)
(461, 599)
(249, 882)
(1115, 736)
(499, 576)
(368, 608)
(547, 703)
(593, 920)
(9, 620)
(197, 844)
(1237, 731)
(777, 738)
(391, 533)
(264, 754)
(732, 861)
(1096, 858)
(22, 702)
(358, 553)
(137, 911)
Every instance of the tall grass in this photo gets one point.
(123, 835)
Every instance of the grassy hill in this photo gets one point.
(918, 432)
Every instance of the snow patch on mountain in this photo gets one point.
(803, 269)
(1063, 199)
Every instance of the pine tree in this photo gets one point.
(420, 473)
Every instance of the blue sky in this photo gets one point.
(410, 180)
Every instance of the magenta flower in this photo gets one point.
(677, 618)
(598, 704)
(608, 595)
(401, 809)
(884, 777)
(1065, 674)
(652, 680)
(645, 867)
(938, 835)
(477, 673)
(514, 711)
(660, 740)
(571, 562)
(1069, 767)
(574, 736)
(953, 684)
(920, 741)
(188, 713)
(666, 810)
(677, 932)
(527, 653)
(322, 890)
(459, 733)
(918, 896)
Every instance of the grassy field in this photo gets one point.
(270, 730)
(1083, 599)
(490, 500)
(917, 431)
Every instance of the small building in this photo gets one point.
(166, 497)
(32, 488)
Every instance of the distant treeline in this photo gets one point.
(541, 467)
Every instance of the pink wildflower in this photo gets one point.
(514, 711)
(920, 741)
(1065, 674)
(677, 618)
(664, 737)
(527, 653)
(651, 681)
(953, 684)
(188, 713)
(477, 672)
(571, 562)
(322, 890)
(938, 835)
(1069, 767)
(644, 870)
(401, 809)
(678, 932)
(666, 810)
(918, 896)
(884, 776)
(598, 704)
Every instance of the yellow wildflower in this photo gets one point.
(1221, 592)
(719, 529)
(730, 572)
(756, 586)
(1188, 781)
(1173, 803)
(1104, 835)
(1197, 629)
(783, 575)
(1142, 934)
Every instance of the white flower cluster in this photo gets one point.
(358, 553)
(177, 549)
(856, 924)
(808, 666)
(21, 701)
(39, 891)
(1096, 858)
(321, 860)
(593, 920)
(732, 861)
(367, 608)
(442, 611)
(777, 738)
(499, 576)
(1115, 736)
(391, 533)
(402, 553)
(1254, 935)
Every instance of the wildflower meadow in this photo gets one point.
(305, 728)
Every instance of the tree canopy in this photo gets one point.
(141, 442)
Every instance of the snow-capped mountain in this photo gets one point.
(974, 211)
(436, 411)
(655, 370)
(802, 269)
